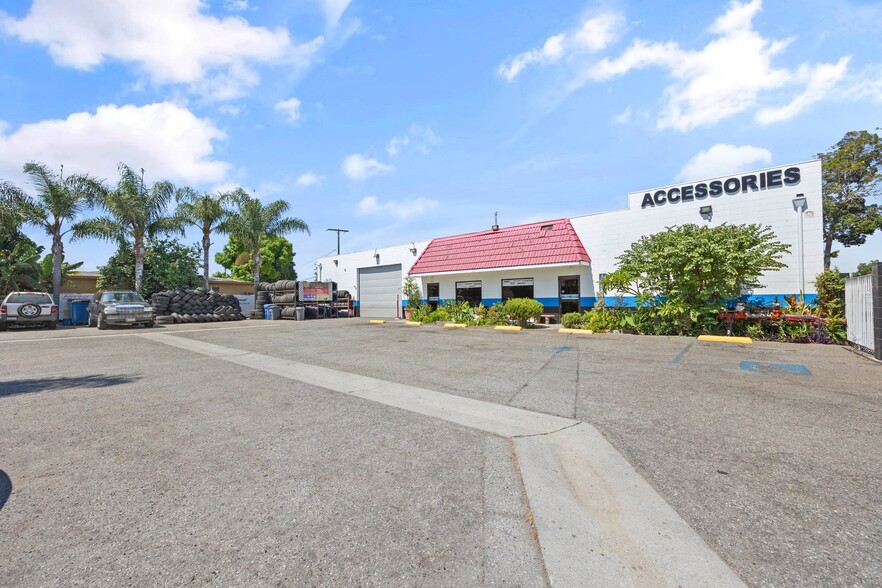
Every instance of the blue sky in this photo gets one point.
(402, 121)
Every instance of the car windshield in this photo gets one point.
(121, 297)
(32, 297)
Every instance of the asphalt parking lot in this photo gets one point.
(132, 461)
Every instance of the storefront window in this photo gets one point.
(517, 288)
(469, 292)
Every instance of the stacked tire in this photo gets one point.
(195, 306)
(264, 297)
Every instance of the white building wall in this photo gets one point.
(345, 271)
(607, 235)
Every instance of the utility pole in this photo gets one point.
(338, 231)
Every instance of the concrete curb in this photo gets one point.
(601, 524)
(720, 339)
(455, 325)
(507, 328)
(377, 322)
(575, 331)
(413, 323)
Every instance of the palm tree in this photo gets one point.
(58, 201)
(204, 211)
(252, 220)
(12, 203)
(135, 214)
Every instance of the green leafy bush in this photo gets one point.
(571, 320)
(459, 312)
(521, 310)
(831, 293)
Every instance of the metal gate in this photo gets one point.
(379, 291)
(859, 312)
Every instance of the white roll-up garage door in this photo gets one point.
(379, 291)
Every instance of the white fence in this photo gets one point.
(859, 311)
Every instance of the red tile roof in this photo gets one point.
(544, 243)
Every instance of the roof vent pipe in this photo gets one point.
(495, 226)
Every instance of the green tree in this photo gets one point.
(276, 259)
(58, 202)
(864, 269)
(204, 211)
(687, 272)
(850, 178)
(252, 220)
(167, 264)
(12, 201)
(47, 271)
(19, 269)
(136, 213)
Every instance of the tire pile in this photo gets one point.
(195, 306)
(271, 292)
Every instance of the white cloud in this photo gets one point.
(623, 117)
(233, 110)
(819, 80)
(333, 10)
(420, 137)
(403, 210)
(170, 41)
(237, 5)
(722, 159)
(395, 144)
(167, 140)
(289, 108)
(594, 35)
(725, 77)
(309, 179)
(358, 167)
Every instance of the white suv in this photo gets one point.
(28, 308)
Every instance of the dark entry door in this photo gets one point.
(569, 293)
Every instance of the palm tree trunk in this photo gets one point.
(57, 258)
(206, 246)
(255, 263)
(140, 252)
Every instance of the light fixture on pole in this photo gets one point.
(338, 231)
(706, 212)
(800, 204)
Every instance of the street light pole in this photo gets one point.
(800, 205)
(338, 231)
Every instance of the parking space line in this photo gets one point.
(599, 522)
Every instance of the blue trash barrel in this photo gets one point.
(79, 312)
(272, 312)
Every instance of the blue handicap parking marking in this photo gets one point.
(775, 368)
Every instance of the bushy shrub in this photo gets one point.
(571, 320)
(831, 293)
(459, 312)
(490, 315)
(521, 310)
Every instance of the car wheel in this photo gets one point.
(3, 326)
(101, 322)
(52, 325)
(150, 325)
(92, 321)
(29, 310)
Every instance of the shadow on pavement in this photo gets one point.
(16, 387)
(5, 488)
